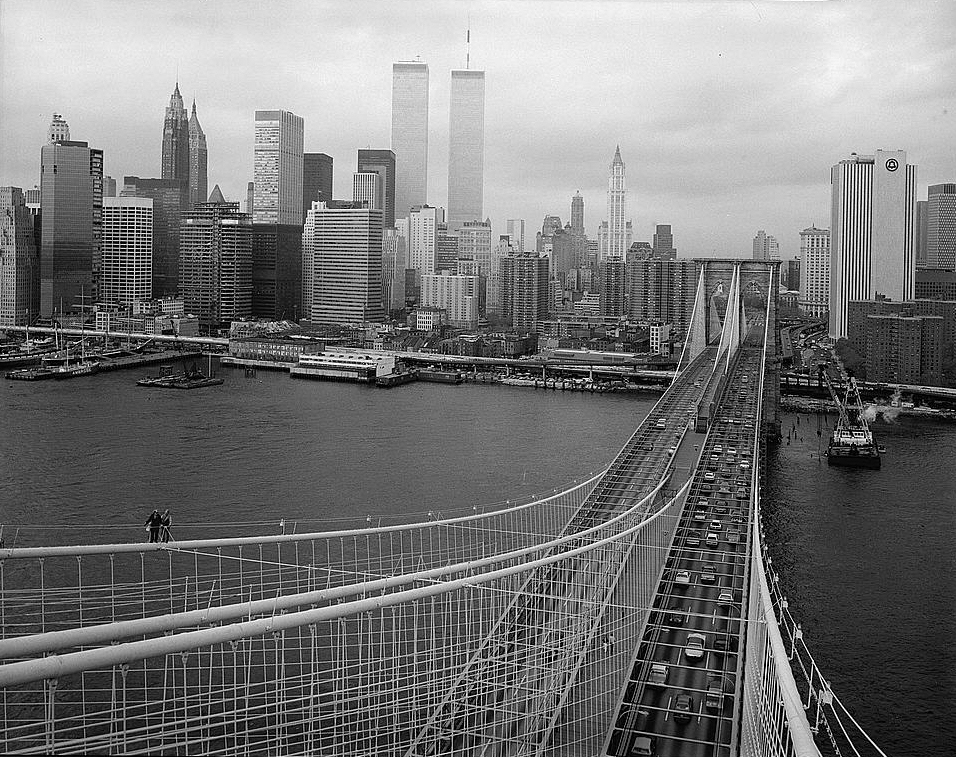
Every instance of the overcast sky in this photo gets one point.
(729, 114)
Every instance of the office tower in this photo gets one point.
(922, 221)
(466, 146)
(277, 271)
(316, 179)
(342, 241)
(366, 187)
(176, 139)
(515, 228)
(563, 253)
(59, 130)
(215, 262)
(765, 247)
(791, 274)
(410, 134)
(872, 233)
(71, 198)
(543, 239)
(493, 276)
(616, 241)
(662, 290)
(278, 168)
(250, 197)
(394, 263)
(941, 226)
(126, 271)
(612, 287)
(457, 294)
(577, 214)
(19, 261)
(381, 162)
(422, 238)
(109, 186)
(474, 243)
(664, 243)
(198, 186)
(446, 249)
(524, 291)
(932, 284)
(603, 239)
(170, 200)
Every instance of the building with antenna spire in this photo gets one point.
(198, 186)
(466, 144)
(176, 139)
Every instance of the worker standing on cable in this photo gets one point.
(153, 523)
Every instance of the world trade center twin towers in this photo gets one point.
(466, 140)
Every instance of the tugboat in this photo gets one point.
(851, 444)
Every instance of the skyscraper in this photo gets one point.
(814, 271)
(126, 271)
(366, 187)
(524, 290)
(71, 198)
(941, 226)
(616, 241)
(457, 294)
(277, 271)
(278, 167)
(515, 230)
(410, 134)
(765, 246)
(316, 179)
(198, 186)
(466, 146)
(170, 200)
(664, 243)
(422, 238)
(612, 287)
(662, 290)
(393, 270)
(577, 214)
(381, 162)
(19, 261)
(342, 242)
(176, 139)
(59, 130)
(873, 231)
(215, 262)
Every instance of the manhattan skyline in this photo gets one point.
(729, 114)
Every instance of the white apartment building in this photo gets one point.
(126, 267)
(456, 294)
(814, 271)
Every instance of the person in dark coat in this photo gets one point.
(166, 520)
(154, 522)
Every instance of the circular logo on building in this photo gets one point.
(892, 164)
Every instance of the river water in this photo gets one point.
(866, 557)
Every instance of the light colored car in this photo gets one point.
(643, 746)
(716, 525)
(694, 649)
(682, 577)
(658, 675)
(733, 537)
(708, 574)
(714, 699)
(661, 423)
(708, 476)
(712, 539)
(718, 448)
(726, 597)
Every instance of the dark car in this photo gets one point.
(683, 707)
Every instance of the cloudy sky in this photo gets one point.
(728, 114)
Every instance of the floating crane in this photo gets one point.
(851, 443)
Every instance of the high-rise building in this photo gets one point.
(814, 271)
(765, 246)
(791, 274)
(342, 243)
(126, 271)
(422, 238)
(394, 263)
(410, 134)
(662, 290)
(215, 262)
(922, 220)
(176, 139)
(873, 231)
(277, 271)
(446, 249)
(515, 228)
(563, 253)
(71, 198)
(524, 290)
(170, 200)
(59, 130)
(941, 226)
(381, 162)
(198, 186)
(250, 197)
(544, 238)
(316, 179)
(19, 261)
(457, 294)
(664, 243)
(616, 241)
(466, 146)
(612, 287)
(603, 236)
(934, 284)
(366, 188)
(109, 186)
(278, 167)
(474, 243)
(577, 214)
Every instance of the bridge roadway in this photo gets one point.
(681, 700)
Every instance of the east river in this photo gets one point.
(867, 558)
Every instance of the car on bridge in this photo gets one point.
(694, 649)
(714, 699)
(726, 597)
(658, 675)
(643, 746)
(708, 574)
(683, 707)
(661, 423)
(678, 614)
(712, 539)
(716, 525)
(682, 577)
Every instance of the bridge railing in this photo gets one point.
(365, 667)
